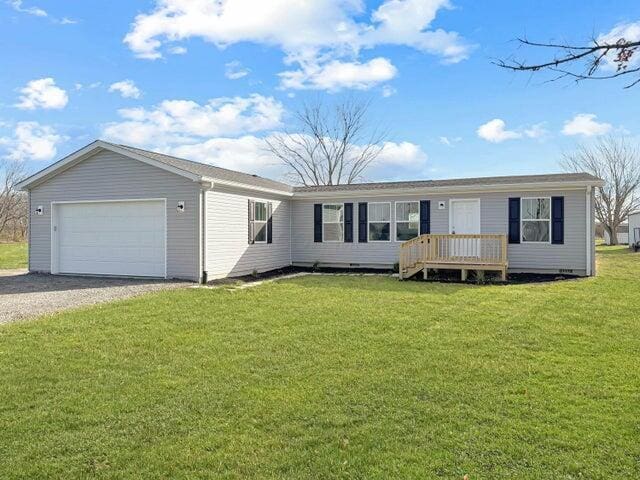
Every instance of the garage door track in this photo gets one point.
(24, 295)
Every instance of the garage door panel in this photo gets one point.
(112, 238)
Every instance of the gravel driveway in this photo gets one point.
(24, 295)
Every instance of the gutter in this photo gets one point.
(461, 189)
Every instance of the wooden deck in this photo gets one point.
(453, 251)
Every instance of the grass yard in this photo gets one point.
(13, 255)
(333, 377)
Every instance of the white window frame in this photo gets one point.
(369, 222)
(341, 223)
(522, 220)
(255, 222)
(396, 221)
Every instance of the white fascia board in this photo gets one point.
(246, 186)
(516, 187)
(85, 152)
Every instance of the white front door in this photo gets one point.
(110, 238)
(464, 219)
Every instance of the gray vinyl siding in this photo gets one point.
(228, 252)
(111, 176)
(494, 219)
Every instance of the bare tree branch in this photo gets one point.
(13, 204)
(329, 146)
(618, 163)
(567, 63)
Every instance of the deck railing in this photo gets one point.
(483, 251)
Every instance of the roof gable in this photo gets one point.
(194, 171)
(88, 151)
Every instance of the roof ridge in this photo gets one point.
(198, 163)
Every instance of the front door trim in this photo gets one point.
(454, 200)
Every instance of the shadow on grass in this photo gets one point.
(369, 283)
(607, 250)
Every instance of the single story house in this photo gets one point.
(111, 209)
(622, 235)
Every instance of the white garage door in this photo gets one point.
(111, 238)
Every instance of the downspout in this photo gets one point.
(589, 239)
(29, 234)
(202, 274)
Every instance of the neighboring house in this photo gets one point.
(622, 235)
(115, 210)
(634, 231)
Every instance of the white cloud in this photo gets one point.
(126, 88)
(249, 153)
(536, 131)
(319, 36)
(495, 131)
(403, 154)
(177, 50)
(585, 124)
(229, 132)
(627, 31)
(449, 142)
(234, 70)
(336, 75)
(31, 141)
(42, 93)
(17, 6)
(185, 121)
(388, 91)
(406, 22)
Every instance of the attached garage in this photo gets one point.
(117, 210)
(112, 210)
(126, 238)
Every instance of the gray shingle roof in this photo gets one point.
(255, 180)
(210, 170)
(459, 182)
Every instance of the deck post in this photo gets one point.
(425, 273)
(504, 274)
(464, 274)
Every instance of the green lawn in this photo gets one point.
(13, 255)
(333, 377)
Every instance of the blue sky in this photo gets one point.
(210, 85)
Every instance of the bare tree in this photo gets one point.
(13, 203)
(329, 146)
(581, 62)
(618, 163)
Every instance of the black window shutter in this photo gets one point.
(425, 217)
(269, 222)
(514, 220)
(251, 217)
(362, 222)
(348, 222)
(557, 220)
(317, 222)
